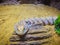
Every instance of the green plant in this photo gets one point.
(57, 25)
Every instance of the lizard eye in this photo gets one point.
(28, 22)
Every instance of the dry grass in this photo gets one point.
(9, 15)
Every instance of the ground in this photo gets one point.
(11, 14)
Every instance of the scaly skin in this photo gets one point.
(22, 27)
